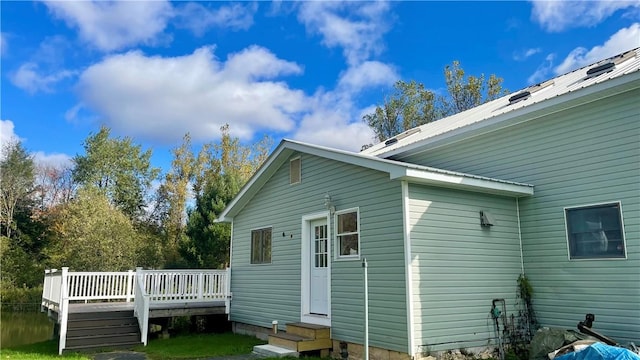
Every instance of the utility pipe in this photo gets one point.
(366, 309)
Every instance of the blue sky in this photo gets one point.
(301, 70)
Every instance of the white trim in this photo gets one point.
(337, 255)
(461, 181)
(305, 264)
(408, 268)
(622, 233)
(520, 236)
(251, 245)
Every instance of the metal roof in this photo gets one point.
(491, 113)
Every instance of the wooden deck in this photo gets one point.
(145, 294)
(156, 310)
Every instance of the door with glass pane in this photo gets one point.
(319, 268)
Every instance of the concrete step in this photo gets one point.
(311, 331)
(271, 351)
(298, 343)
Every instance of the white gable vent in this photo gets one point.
(295, 166)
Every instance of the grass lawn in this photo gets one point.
(199, 346)
(196, 346)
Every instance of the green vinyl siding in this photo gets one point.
(458, 266)
(585, 155)
(266, 292)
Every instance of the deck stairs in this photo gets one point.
(97, 330)
(299, 338)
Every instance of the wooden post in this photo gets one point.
(200, 285)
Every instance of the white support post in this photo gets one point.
(200, 285)
(64, 309)
(130, 279)
(366, 309)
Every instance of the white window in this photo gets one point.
(348, 234)
(595, 232)
(261, 246)
(295, 169)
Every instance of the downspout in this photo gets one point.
(408, 268)
(520, 236)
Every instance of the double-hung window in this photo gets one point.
(348, 234)
(261, 246)
(595, 232)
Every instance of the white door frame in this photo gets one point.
(305, 274)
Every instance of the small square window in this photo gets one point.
(595, 232)
(295, 171)
(261, 246)
(348, 233)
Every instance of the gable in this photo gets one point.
(395, 170)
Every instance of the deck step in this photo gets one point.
(100, 315)
(298, 343)
(102, 330)
(311, 331)
(271, 351)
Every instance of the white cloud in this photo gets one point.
(29, 78)
(367, 74)
(623, 40)
(525, 54)
(543, 72)
(7, 134)
(163, 98)
(54, 160)
(114, 25)
(4, 44)
(357, 27)
(199, 18)
(331, 124)
(556, 16)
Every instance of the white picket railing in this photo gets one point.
(144, 287)
(141, 306)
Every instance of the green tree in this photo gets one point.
(173, 195)
(92, 235)
(118, 168)
(17, 174)
(412, 105)
(228, 167)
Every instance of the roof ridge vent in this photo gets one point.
(601, 69)
(523, 95)
(402, 135)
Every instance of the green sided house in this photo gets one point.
(545, 182)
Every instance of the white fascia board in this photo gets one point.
(462, 182)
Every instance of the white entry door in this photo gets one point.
(319, 268)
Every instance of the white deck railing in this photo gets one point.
(145, 287)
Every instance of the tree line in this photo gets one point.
(111, 210)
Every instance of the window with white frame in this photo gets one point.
(261, 246)
(348, 233)
(595, 232)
